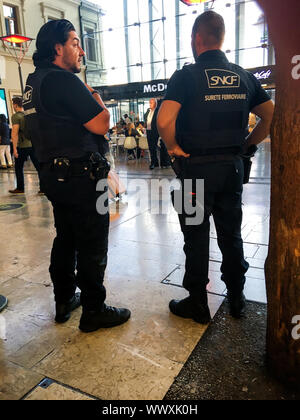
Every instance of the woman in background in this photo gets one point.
(131, 131)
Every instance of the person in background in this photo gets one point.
(127, 119)
(131, 131)
(22, 146)
(5, 144)
(139, 125)
(153, 137)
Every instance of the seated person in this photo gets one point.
(139, 125)
(131, 131)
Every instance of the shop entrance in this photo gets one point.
(134, 108)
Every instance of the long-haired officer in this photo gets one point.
(66, 121)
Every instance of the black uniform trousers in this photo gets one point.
(79, 252)
(152, 138)
(222, 200)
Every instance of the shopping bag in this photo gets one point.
(115, 186)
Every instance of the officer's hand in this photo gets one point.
(250, 151)
(177, 152)
(16, 155)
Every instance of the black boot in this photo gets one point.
(107, 317)
(188, 308)
(237, 303)
(3, 302)
(63, 310)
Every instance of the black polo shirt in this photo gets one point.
(181, 88)
(216, 98)
(65, 95)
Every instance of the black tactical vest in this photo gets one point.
(53, 136)
(215, 118)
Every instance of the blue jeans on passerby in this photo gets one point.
(23, 154)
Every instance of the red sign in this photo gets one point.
(16, 39)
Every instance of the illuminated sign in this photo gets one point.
(263, 75)
(152, 88)
(159, 87)
(3, 104)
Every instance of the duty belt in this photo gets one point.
(210, 158)
(96, 165)
(75, 168)
(180, 164)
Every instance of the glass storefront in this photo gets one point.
(146, 40)
(134, 108)
(133, 98)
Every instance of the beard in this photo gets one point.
(72, 66)
(76, 69)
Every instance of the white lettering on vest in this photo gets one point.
(225, 80)
(27, 97)
(221, 78)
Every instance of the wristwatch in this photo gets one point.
(95, 91)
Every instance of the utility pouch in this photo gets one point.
(61, 167)
(100, 167)
(247, 169)
(250, 152)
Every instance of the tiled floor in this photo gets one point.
(140, 359)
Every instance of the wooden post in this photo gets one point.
(283, 263)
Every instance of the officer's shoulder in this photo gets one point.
(241, 70)
(185, 71)
(61, 74)
(188, 66)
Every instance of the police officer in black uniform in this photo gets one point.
(66, 121)
(203, 121)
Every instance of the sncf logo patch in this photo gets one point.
(27, 97)
(218, 78)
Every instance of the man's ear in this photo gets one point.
(58, 48)
(198, 39)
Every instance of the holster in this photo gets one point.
(95, 165)
(249, 153)
(100, 167)
(247, 169)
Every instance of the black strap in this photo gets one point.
(210, 158)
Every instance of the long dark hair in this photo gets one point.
(50, 34)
